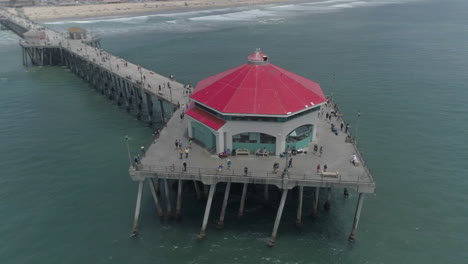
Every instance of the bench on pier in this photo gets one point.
(242, 152)
(330, 174)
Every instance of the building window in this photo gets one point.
(299, 134)
(267, 139)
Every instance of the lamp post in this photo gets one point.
(357, 125)
(333, 85)
(128, 151)
(170, 91)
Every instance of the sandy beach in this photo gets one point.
(46, 13)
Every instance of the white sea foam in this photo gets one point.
(196, 20)
(237, 16)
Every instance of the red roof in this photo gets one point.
(205, 117)
(258, 88)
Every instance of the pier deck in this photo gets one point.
(202, 165)
(146, 79)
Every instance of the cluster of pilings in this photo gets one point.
(207, 192)
(117, 89)
(120, 90)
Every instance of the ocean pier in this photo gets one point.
(278, 152)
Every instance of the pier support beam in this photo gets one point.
(205, 191)
(149, 106)
(197, 190)
(327, 204)
(168, 200)
(223, 209)
(299, 207)
(357, 214)
(137, 210)
(155, 198)
(315, 205)
(242, 201)
(272, 241)
(163, 118)
(178, 213)
(202, 234)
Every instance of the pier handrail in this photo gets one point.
(197, 172)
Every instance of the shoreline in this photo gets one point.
(63, 13)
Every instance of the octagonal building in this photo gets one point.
(255, 106)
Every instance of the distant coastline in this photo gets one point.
(50, 13)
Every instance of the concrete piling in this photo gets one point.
(272, 241)
(223, 209)
(299, 207)
(242, 201)
(155, 198)
(316, 200)
(357, 214)
(327, 204)
(202, 234)
(197, 190)
(137, 210)
(178, 212)
(168, 200)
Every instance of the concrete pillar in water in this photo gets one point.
(161, 105)
(149, 105)
(157, 187)
(155, 198)
(265, 192)
(137, 210)
(205, 191)
(242, 202)
(168, 200)
(178, 213)
(197, 190)
(207, 212)
(345, 193)
(299, 207)
(315, 205)
(357, 214)
(42, 57)
(278, 218)
(327, 204)
(223, 209)
(123, 88)
(22, 52)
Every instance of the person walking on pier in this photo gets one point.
(321, 151)
(341, 125)
(318, 168)
(290, 163)
(186, 152)
(347, 128)
(176, 144)
(229, 164)
(181, 152)
(185, 166)
(180, 144)
(325, 168)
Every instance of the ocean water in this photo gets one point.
(66, 197)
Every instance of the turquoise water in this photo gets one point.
(65, 194)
